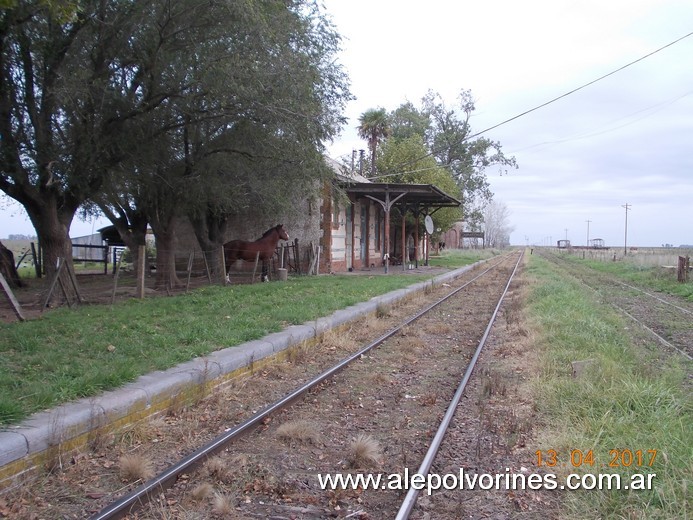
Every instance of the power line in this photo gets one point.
(607, 127)
(580, 87)
(466, 138)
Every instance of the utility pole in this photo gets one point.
(588, 233)
(566, 233)
(625, 241)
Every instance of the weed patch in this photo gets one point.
(619, 403)
(69, 354)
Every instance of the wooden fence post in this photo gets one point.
(142, 259)
(222, 268)
(257, 259)
(684, 266)
(37, 261)
(116, 273)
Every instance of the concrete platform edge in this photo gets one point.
(45, 437)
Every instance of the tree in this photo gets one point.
(406, 121)
(447, 137)
(374, 128)
(72, 90)
(422, 168)
(124, 105)
(497, 226)
(268, 154)
(450, 140)
(52, 69)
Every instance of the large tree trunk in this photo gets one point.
(210, 230)
(165, 235)
(53, 230)
(133, 237)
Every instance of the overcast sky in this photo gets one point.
(626, 139)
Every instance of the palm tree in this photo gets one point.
(373, 127)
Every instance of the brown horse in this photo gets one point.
(263, 249)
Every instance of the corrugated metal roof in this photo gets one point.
(426, 195)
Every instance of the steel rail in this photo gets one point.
(424, 468)
(648, 329)
(140, 495)
(655, 297)
(636, 320)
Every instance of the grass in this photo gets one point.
(453, 258)
(70, 354)
(653, 277)
(631, 398)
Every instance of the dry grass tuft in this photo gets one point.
(202, 491)
(222, 504)
(365, 451)
(275, 371)
(100, 439)
(337, 341)
(234, 390)
(494, 383)
(136, 434)
(134, 467)
(370, 325)
(383, 310)
(410, 344)
(216, 467)
(298, 431)
(176, 406)
(512, 310)
(298, 354)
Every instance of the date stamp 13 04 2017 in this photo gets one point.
(617, 458)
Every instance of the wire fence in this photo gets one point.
(111, 275)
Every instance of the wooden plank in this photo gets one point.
(54, 282)
(10, 296)
(65, 293)
(190, 264)
(73, 278)
(209, 274)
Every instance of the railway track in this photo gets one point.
(666, 318)
(378, 415)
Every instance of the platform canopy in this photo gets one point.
(416, 197)
(420, 199)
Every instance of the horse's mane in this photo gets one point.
(270, 230)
